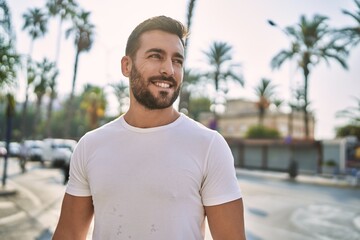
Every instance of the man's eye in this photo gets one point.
(178, 61)
(157, 56)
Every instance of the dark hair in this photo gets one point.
(162, 23)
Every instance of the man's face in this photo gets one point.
(157, 70)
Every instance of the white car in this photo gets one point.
(57, 151)
(32, 150)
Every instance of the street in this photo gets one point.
(274, 208)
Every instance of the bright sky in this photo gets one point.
(241, 23)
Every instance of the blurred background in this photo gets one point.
(278, 79)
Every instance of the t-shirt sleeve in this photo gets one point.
(78, 184)
(220, 184)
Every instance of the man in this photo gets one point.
(153, 173)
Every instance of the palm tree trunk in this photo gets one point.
(58, 44)
(37, 117)
(70, 109)
(49, 116)
(290, 123)
(306, 119)
(184, 97)
(25, 105)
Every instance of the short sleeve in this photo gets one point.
(78, 184)
(220, 184)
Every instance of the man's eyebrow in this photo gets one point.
(159, 50)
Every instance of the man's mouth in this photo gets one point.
(162, 84)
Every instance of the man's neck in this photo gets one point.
(145, 118)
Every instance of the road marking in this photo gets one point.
(4, 205)
(36, 201)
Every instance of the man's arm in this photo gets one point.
(75, 218)
(226, 221)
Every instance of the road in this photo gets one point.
(278, 209)
(274, 209)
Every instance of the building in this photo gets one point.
(242, 114)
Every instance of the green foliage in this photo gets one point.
(261, 132)
(198, 105)
(348, 130)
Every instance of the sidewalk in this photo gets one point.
(333, 181)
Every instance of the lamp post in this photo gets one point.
(293, 164)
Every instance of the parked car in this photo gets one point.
(32, 150)
(14, 149)
(58, 151)
(2, 149)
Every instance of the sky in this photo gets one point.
(240, 23)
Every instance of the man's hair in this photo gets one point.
(162, 23)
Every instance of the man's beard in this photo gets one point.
(142, 94)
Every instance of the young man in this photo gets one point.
(153, 173)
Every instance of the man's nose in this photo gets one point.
(167, 68)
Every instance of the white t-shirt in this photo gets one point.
(152, 183)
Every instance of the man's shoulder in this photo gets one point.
(107, 129)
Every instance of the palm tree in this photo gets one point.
(9, 60)
(46, 74)
(5, 18)
(218, 56)
(40, 86)
(52, 97)
(351, 113)
(189, 16)
(296, 105)
(121, 91)
(64, 9)
(352, 34)
(94, 103)
(265, 90)
(185, 94)
(190, 79)
(36, 25)
(312, 42)
(83, 32)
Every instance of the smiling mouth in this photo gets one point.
(162, 84)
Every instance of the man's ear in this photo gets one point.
(126, 64)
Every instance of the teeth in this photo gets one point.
(162, 84)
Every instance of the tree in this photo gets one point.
(121, 91)
(190, 79)
(219, 57)
(82, 32)
(351, 113)
(198, 105)
(94, 103)
(311, 42)
(9, 61)
(185, 94)
(5, 18)
(64, 10)
(296, 105)
(36, 25)
(352, 34)
(52, 96)
(264, 91)
(46, 73)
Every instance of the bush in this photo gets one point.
(261, 132)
